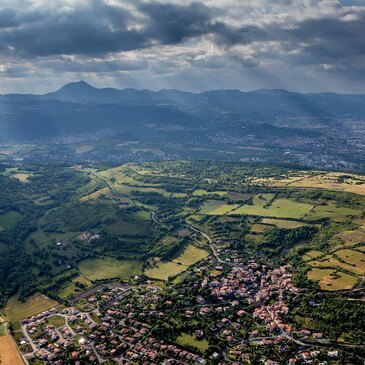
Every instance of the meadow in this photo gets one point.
(109, 268)
(186, 340)
(332, 280)
(37, 303)
(186, 257)
(9, 219)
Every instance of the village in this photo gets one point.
(231, 304)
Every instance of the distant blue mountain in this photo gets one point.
(34, 116)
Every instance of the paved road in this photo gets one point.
(112, 188)
(210, 242)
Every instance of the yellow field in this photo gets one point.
(185, 258)
(9, 354)
(333, 262)
(312, 255)
(354, 258)
(329, 280)
(281, 223)
(22, 177)
(97, 194)
(162, 270)
(190, 255)
(319, 180)
(259, 228)
(352, 237)
(37, 303)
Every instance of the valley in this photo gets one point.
(183, 229)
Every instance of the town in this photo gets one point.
(227, 304)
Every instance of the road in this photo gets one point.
(112, 188)
(210, 242)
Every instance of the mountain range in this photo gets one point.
(79, 108)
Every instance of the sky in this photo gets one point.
(299, 45)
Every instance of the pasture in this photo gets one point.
(353, 257)
(9, 354)
(9, 219)
(281, 207)
(217, 207)
(202, 192)
(337, 214)
(330, 280)
(37, 303)
(186, 257)
(310, 255)
(319, 180)
(108, 268)
(189, 255)
(282, 223)
(162, 270)
(70, 288)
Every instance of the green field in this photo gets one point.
(70, 288)
(189, 255)
(281, 207)
(163, 270)
(217, 207)
(187, 340)
(128, 228)
(201, 192)
(108, 268)
(37, 303)
(9, 219)
(337, 214)
(56, 321)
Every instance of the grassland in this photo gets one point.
(189, 255)
(331, 280)
(310, 255)
(217, 207)
(108, 268)
(56, 321)
(162, 270)
(186, 257)
(353, 257)
(202, 192)
(281, 207)
(189, 341)
(9, 219)
(282, 223)
(318, 180)
(337, 214)
(70, 287)
(37, 303)
(9, 354)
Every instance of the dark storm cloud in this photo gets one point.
(91, 35)
(171, 23)
(93, 29)
(98, 28)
